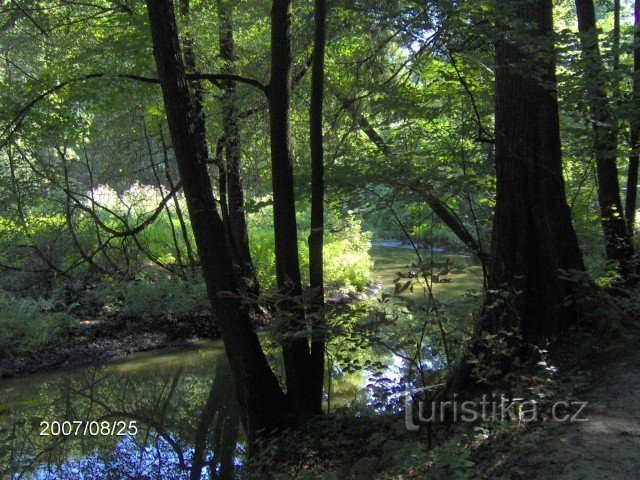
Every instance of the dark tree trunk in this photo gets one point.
(316, 236)
(297, 356)
(235, 193)
(259, 395)
(196, 91)
(619, 246)
(632, 175)
(533, 237)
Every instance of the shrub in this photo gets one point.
(25, 324)
(161, 299)
(347, 263)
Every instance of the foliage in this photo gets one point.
(152, 299)
(346, 249)
(27, 324)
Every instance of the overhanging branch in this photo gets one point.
(215, 78)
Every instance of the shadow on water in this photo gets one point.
(181, 402)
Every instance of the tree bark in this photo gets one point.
(296, 353)
(233, 152)
(261, 400)
(316, 236)
(196, 91)
(632, 175)
(619, 246)
(533, 237)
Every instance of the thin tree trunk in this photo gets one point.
(296, 353)
(619, 246)
(438, 207)
(233, 153)
(172, 186)
(632, 175)
(616, 36)
(316, 236)
(196, 91)
(174, 235)
(261, 400)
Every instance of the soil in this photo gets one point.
(104, 339)
(606, 446)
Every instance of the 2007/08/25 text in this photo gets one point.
(93, 428)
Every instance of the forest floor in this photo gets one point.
(606, 446)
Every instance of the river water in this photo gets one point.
(169, 414)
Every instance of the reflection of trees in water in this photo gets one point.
(221, 413)
(187, 426)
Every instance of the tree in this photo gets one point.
(295, 342)
(533, 237)
(316, 236)
(261, 400)
(634, 137)
(233, 153)
(619, 246)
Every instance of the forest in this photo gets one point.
(319, 239)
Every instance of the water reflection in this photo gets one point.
(182, 404)
(463, 276)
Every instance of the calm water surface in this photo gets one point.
(178, 406)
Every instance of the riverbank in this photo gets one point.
(103, 339)
(95, 338)
(99, 341)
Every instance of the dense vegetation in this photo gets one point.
(222, 169)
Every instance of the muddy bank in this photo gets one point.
(102, 340)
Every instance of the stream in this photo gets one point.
(157, 414)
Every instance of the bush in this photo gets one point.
(162, 299)
(156, 293)
(347, 263)
(25, 325)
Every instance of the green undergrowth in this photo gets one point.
(27, 324)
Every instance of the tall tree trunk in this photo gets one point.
(615, 50)
(196, 91)
(296, 353)
(261, 400)
(533, 237)
(316, 236)
(619, 246)
(632, 175)
(235, 193)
